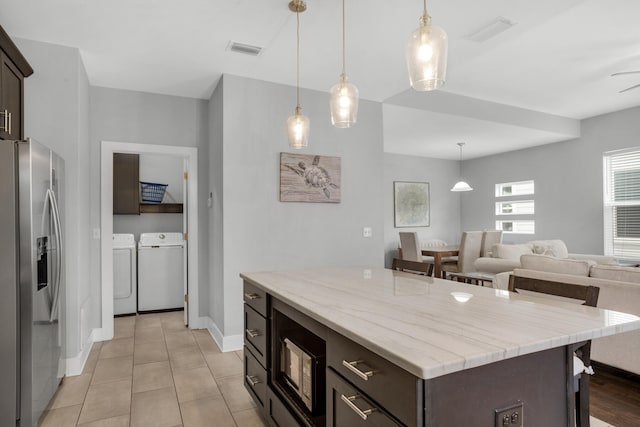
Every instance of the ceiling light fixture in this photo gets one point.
(298, 124)
(461, 185)
(427, 55)
(343, 100)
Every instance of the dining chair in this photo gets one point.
(489, 238)
(410, 249)
(470, 245)
(582, 351)
(416, 267)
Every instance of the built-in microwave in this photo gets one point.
(299, 370)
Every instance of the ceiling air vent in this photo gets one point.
(244, 48)
(495, 27)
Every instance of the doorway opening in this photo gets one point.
(190, 217)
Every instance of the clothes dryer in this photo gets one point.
(160, 271)
(125, 295)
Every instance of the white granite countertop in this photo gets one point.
(416, 323)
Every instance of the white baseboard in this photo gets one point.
(75, 365)
(226, 343)
(101, 334)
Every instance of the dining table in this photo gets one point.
(439, 253)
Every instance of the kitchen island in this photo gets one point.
(401, 349)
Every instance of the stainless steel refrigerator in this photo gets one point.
(32, 279)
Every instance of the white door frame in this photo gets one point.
(190, 154)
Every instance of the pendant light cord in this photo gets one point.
(424, 17)
(297, 60)
(344, 45)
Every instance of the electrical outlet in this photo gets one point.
(367, 232)
(510, 416)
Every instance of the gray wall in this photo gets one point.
(568, 180)
(444, 207)
(144, 118)
(216, 221)
(56, 100)
(261, 233)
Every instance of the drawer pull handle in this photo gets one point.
(352, 366)
(5, 124)
(251, 297)
(253, 333)
(253, 380)
(349, 401)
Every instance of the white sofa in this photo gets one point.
(506, 257)
(619, 291)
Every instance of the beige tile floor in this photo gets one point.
(155, 373)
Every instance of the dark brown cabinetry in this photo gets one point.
(369, 391)
(346, 406)
(13, 69)
(256, 329)
(126, 187)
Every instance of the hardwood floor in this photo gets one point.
(615, 396)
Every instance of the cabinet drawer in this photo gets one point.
(255, 334)
(277, 413)
(346, 406)
(255, 378)
(255, 298)
(398, 391)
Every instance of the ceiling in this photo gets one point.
(527, 86)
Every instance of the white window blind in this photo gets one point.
(519, 188)
(515, 207)
(517, 226)
(622, 204)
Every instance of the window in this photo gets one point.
(521, 188)
(519, 226)
(521, 207)
(514, 201)
(622, 204)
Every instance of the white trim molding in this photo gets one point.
(75, 365)
(225, 343)
(190, 154)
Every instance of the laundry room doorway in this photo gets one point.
(172, 165)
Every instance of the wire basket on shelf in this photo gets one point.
(152, 192)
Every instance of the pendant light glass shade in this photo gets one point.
(298, 130)
(427, 55)
(298, 124)
(343, 100)
(461, 185)
(344, 103)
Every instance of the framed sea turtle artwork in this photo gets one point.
(411, 204)
(309, 178)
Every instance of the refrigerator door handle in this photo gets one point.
(55, 213)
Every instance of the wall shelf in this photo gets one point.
(160, 207)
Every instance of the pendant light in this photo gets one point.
(343, 100)
(461, 185)
(427, 55)
(298, 124)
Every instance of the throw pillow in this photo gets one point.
(513, 252)
(556, 248)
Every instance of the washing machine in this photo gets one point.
(125, 298)
(160, 271)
